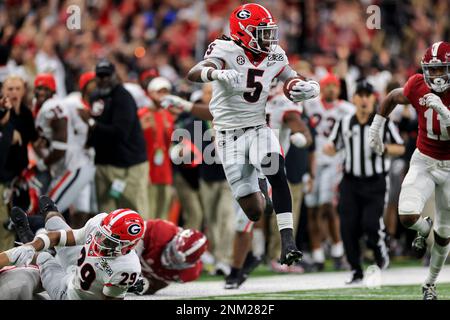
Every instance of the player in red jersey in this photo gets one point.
(430, 164)
(169, 254)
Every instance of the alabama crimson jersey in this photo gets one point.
(433, 139)
(96, 276)
(158, 234)
(234, 110)
(277, 107)
(323, 115)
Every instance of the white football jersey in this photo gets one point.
(233, 110)
(323, 117)
(97, 276)
(277, 106)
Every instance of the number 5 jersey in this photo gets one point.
(234, 109)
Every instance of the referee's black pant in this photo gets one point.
(361, 207)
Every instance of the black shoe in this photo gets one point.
(233, 281)
(268, 210)
(318, 266)
(289, 252)
(356, 278)
(419, 244)
(429, 292)
(250, 264)
(290, 255)
(46, 205)
(22, 227)
(338, 264)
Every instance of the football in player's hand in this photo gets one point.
(288, 84)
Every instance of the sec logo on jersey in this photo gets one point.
(240, 60)
(243, 14)
(134, 229)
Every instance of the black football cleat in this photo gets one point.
(268, 210)
(250, 264)
(234, 281)
(46, 205)
(429, 292)
(22, 227)
(290, 255)
(356, 278)
(419, 244)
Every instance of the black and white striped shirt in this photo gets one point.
(353, 137)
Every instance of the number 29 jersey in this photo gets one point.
(96, 276)
(234, 110)
(433, 139)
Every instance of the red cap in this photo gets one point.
(330, 79)
(45, 80)
(85, 78)
(149, 73)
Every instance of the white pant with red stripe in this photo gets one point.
(65, 189)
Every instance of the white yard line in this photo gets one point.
(280, 283)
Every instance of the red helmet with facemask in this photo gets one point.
(436, 66)
(253, 27)
(118, 233)
(184, 250)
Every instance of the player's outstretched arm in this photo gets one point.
(177, 105)
(202, 72)
(300, 135)
(24, 255)
(394, 98)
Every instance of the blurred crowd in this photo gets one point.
(153, 44)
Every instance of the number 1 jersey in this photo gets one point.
(433, 139)
(234, 110)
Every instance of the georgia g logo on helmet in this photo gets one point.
(134, 229)
(243, 14)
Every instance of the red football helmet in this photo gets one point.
(254, 27)
(184, 250)
(118, 233)
(45, 80)
(436, 66)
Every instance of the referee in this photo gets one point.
(363, 187)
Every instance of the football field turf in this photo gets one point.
(409, 292)
(397, 283)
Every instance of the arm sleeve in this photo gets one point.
(410, 86)
(124, 113)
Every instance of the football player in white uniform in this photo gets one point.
(60, 147)
(241, 70)
(107, 264)
(324, 112)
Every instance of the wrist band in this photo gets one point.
(44, 237)
(62, 238)
(204, 74)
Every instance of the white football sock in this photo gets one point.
(318, 255)
(337, 250)
(438, 256)
(421, 226)
(284, 221)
